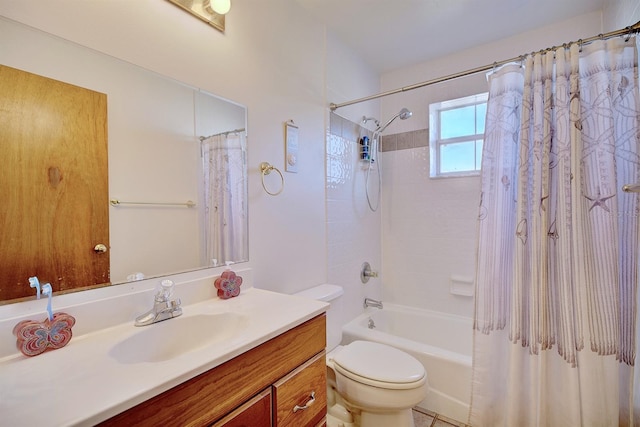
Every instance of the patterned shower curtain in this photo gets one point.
(556, 293)
(224, 158)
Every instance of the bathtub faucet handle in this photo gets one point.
(366, 273)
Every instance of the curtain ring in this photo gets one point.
(580, 44)
(495, 65)
(265, 169)
(626, 39)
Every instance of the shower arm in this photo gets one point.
(365, 119)
(403, 114)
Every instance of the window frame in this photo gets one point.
(436, 143)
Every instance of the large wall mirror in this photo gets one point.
(177, 177)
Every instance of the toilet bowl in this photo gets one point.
(375, 385)
(368, 384)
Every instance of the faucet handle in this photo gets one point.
(165, 290)
(366, 273)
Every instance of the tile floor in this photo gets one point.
(425, 418)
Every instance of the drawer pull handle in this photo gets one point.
(312, 399)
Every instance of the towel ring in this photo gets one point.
(265, 169)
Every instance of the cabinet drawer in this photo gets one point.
(294, 392)
(255, 413)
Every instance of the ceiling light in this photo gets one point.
(220, 7)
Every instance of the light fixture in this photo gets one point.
(210, 11)
(220, 7)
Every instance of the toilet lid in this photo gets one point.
(379, 362)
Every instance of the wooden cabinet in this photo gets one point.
(298, 399)
(283, 371)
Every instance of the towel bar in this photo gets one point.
(116, 202)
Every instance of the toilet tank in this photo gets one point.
(331, 294)
(325, 292)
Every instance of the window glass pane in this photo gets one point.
(457, 122)
(457, 157)
(481, 114)
(479, 154)
(457, 129)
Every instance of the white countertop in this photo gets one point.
(83, 384)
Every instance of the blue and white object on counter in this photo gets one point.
(46, 290)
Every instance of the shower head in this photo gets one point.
(404, 114)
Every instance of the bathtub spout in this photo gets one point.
(368, 302)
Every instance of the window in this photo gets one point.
(456, 135)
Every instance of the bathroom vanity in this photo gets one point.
(263, 386)
(248, 360)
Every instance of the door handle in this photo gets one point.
(100, 248)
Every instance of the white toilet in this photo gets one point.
(369, 384)
(378, 385)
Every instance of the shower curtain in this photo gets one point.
(556, 290)
(224, 160)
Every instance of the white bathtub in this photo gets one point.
(441, 342)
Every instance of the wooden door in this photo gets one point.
(53, 184)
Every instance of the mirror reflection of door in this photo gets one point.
(53, 145)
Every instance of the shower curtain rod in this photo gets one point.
(202, 138)
(628, 30)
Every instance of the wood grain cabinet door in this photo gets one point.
(54, 206)
(300, 398)
(255, 413)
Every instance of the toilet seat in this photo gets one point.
(379, 365)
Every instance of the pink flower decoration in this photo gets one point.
(36, 337)
(228, 285)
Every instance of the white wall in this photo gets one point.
(272, 59)
(353, 232)
(620, 14)
(429, 226)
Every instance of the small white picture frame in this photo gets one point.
(291, 147)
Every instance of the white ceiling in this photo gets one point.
(390, 34)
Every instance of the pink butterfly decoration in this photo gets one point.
(36, 337)
(228, 285)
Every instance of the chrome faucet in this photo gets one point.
(163, 307)
(366, 272)
(368, 302)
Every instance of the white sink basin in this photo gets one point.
(173, 337)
